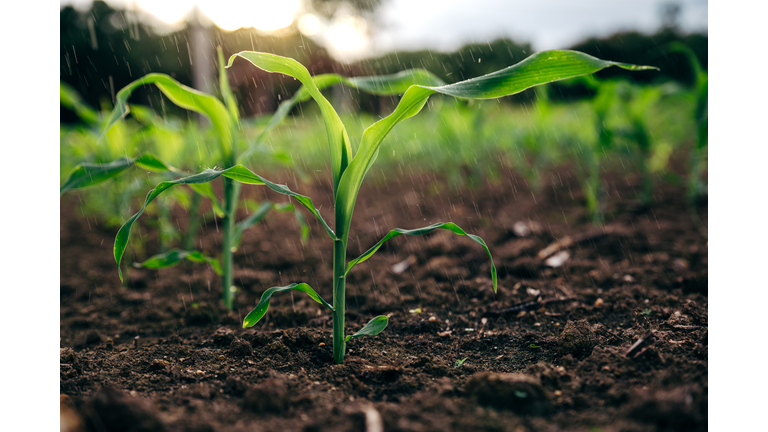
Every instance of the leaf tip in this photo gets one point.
(231, 60)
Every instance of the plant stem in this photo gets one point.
(339, 263)
(231, 195)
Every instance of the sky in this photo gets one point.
(446, 25)
(546, 24)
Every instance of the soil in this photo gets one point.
(615, 338)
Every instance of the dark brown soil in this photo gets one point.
(163, 354)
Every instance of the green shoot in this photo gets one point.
(348, 170)
(460, 363)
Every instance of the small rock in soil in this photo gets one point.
(112, 410)
(558, 259)
(240, 348)
(269, 396)
(577, 339)
(520, 393)
(223, 336)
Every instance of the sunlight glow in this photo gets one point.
(266, 15)
(348, 36)
(309, 25)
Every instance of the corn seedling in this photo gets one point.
(224, 118)
(533, 144)
(225, 122)
(348, 170)
(651, 151)
(590, 147)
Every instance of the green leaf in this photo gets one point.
(379, 85)
(383, 85)
(374, 327)
(338, 140)
(237, 172)
(183, 96)
(450, 226)
(258, 312)
(71, 99)
(174, 256)
(90, 174)
(540, 68)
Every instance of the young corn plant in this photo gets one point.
(225, 121)
(348, 170)
(651, 150)
(82, 141)
(533, 145)
(592, 144)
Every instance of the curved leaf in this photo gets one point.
(379, 85)
(90, 174)
(540, 68)
(383, 85)
(174, 256)
(450, 226)
(258, 312)
(237, 172)
(374, 327)
(183, 96)
(338, 140)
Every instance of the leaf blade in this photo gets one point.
(175, 256)
(183, 96)
(374, 327)
(338, 140)
(539, 68)
(450, 226)
(392, 84)
(90, 174)
(237, 172)
(261, 308)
